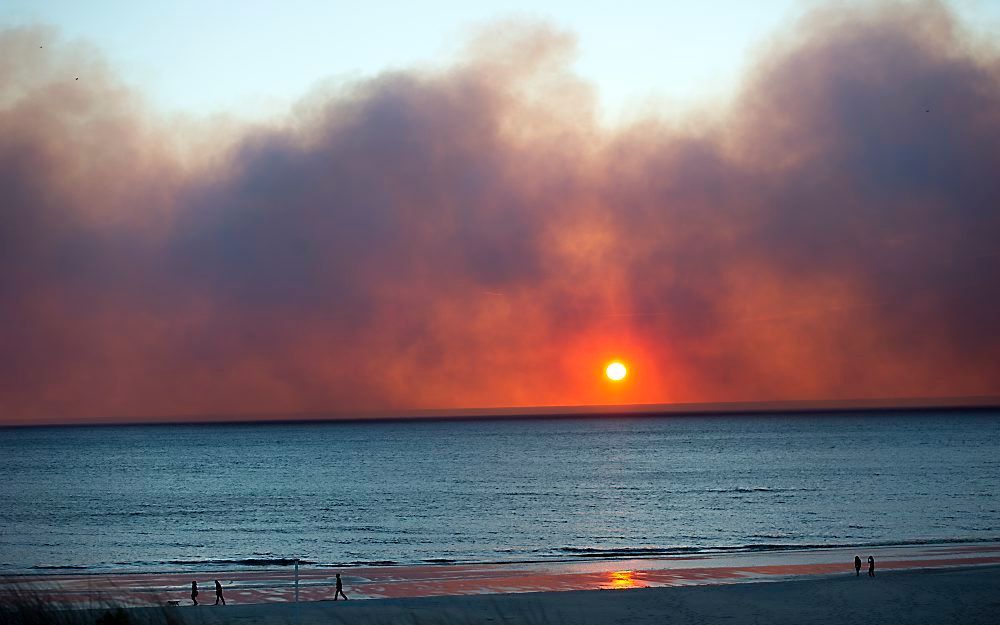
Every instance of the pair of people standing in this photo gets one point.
(871, 566)
(218, 593)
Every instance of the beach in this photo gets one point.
(960, 595)
(912, 584)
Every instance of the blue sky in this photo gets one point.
(210, 56)
(254, 58)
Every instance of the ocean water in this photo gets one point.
(230, 496)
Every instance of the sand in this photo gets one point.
(266, 585)
(913, 584)
(964, 595)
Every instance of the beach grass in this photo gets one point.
(21, 606)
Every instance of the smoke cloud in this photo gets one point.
(476, 236)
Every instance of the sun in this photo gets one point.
(616, 371)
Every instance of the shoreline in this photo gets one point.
(272, 586)
(966, 595)
(252, 565)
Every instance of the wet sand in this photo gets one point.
(969, 596)
(277, 586)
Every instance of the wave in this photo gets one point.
(595, 552)
(566, 553)
(757, 489)
(640, 552)
(241, 562)
(355, 564)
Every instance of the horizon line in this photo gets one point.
(504, 413)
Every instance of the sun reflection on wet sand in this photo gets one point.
(622, 579)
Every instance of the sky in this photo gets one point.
(366, 209)
(207, 57)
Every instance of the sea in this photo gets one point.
(232, 496)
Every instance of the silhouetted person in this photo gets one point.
(857, 566)
(218, 594)
(871, 566)
(194, 592)
(340, 589)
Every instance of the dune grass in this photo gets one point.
(19, 606)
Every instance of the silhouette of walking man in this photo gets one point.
(857, 566)
(871, 566)
(194, 592)
(218, 594)
(340, 589)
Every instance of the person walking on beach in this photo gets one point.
(218, 594)
(857, 566)
(340, 589)
(871, 566)
(194, 592)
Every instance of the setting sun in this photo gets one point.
(616, 371)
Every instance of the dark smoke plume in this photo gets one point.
(475, 237)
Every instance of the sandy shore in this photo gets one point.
(313, 584)
(913, 584)
(967, 595)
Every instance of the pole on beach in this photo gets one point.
(297, 619)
